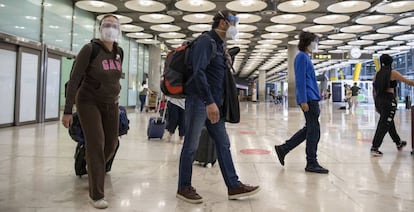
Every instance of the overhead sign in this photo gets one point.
(339, 56)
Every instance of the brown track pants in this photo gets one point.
(100, 123)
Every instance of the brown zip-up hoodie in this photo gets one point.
(99, 77)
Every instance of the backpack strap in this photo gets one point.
(95, 51)
(121, 53)
(214, 46)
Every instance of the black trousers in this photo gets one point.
(386, 105)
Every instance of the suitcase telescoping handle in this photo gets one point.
(165, 109)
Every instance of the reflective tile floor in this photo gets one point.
(36, 167)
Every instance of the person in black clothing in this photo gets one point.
(355, 91)
(385, 82)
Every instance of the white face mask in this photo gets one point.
(313, 46)
(232, 32)
(109, 34)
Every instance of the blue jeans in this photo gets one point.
(311, 132)
(142, 100)
(195, 120)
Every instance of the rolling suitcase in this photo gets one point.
(206, 151)
(80, 161)
(156, 126)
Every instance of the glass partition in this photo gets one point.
(83, 26)
(57, 23)
(124, 44)
(133, 74)
(7, 85)
(21, 18)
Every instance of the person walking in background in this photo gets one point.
(385, 82)
(355, 91)
(97, 108)
(176, 117)
(307, 97)
(143, 91)
(203, 107)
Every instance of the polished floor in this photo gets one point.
(36, 167)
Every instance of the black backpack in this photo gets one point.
(178, 70)
(95, 50)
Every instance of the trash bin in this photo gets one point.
(407, 102)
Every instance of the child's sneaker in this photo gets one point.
(375, 152)
(401, 145)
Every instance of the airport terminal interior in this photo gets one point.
(39, 41)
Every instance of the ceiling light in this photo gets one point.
(200, 16)
(145, 3)
(97, 4)
(196, 2)
(246, 3)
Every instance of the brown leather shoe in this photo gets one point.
(190, 195)
(242, 191)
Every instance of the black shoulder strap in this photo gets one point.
(214, 46)
(121, 53)
(95, 51)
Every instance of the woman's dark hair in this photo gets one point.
(382, 79)
(144, 82)
(219, 16)
(305, 38)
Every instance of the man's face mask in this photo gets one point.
(109, 31)
(232, 22)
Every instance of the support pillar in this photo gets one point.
(262, 85)
(292, 51)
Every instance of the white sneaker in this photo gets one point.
(100, 204)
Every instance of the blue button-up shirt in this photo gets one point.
(305, 79)
(208, 76)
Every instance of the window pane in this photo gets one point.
(57, 23)
(21, 18)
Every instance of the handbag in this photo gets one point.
(231, 106)
(76, 132)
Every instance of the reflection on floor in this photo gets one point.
(36, 167)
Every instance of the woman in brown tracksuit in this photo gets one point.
(96, 102)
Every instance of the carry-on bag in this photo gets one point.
(156, 126)
(80, 160)
(206, 151)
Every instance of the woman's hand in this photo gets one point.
(67, 120)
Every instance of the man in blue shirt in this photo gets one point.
(307, 96)
(203, 107)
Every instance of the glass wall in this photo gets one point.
(133, 81)
(57, 23)
(83, 26)
(21, 18)
(124, 44)
(70, 28)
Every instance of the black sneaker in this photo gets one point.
(375, 152)
(401, 145)
(316, 169)
(190, 195)
(280, 154)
